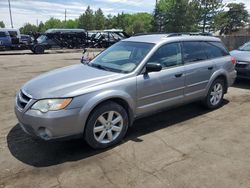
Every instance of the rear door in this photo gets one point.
(198, 68)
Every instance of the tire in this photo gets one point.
(106, 126)
(215, 94)
(39, 49)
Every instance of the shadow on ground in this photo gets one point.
(39, 153)
(242, 83)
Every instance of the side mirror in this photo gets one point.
(153, 67)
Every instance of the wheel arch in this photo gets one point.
(218, 75)
(120, 98)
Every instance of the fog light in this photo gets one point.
(44, 133)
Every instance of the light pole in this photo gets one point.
(10, 15)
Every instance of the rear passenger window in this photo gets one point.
(193, 51)
(214, 49)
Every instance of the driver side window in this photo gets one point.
(168, 55)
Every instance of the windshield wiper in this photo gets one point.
(98, 66)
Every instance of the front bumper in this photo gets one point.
(50, 125)
(243, 70)
(243, 73)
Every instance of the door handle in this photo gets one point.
(178, 75)
(210, 68)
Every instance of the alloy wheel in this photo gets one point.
(108, 127)
(216, 94)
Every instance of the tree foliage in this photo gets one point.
(175, 16)
(233, 19)
(28, 28)
(208, 9)
(99, 20)
(86, 20)
(168, 16)
(2, 25)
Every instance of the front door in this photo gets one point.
(156, 90)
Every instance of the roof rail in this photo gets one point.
(150, 33)
(175, 34)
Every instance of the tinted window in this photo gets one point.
(13, 33)
(192, 51)
(168, 55)
(2, 34)
(214, 49)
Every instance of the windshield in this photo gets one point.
(122, 57)
(245, 47)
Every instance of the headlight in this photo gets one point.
(46, 105)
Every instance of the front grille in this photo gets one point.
(22, 99)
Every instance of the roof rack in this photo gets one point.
(150, 33)
(176, 34)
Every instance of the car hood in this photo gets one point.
(241, 55)
(68, 81)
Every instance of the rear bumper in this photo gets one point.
(231, 78)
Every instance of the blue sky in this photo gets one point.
(32, 10)
(24, 11)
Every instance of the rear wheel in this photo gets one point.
(107, 125)
(215, 95)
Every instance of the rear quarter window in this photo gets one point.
(214, 49)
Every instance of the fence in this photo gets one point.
(234, 42)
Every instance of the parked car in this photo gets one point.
(134, 77)
(58, 39)
(5, 40)
(242, 55)
(14, 34)
(26, 39)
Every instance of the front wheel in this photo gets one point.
(106, 126)
(215, 94)
(39, 49)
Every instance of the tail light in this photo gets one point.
(233, 60)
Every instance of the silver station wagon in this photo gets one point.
(135, 77)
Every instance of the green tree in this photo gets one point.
(53, 23)
(232, 20)
(99, 20)
(109, 21)
(2, 25)
(208, 9)
(86, 20)
(71, 24)
(139, 23)
(28, 28)
(176, 16)
(41, 27)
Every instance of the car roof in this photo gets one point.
(4, 31)
(161, 38)
(64, 30)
